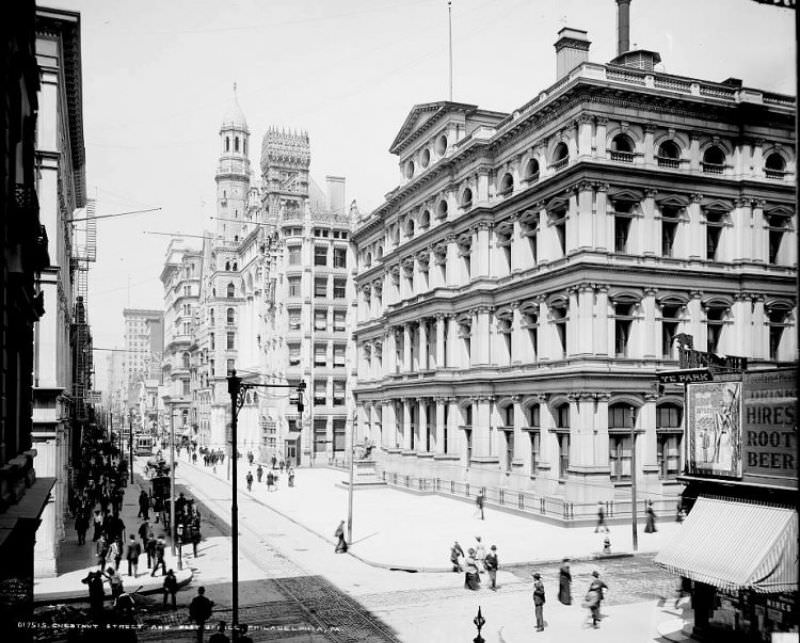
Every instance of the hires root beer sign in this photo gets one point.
(769, 427)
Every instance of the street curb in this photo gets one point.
(423, 569)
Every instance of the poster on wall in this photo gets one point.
(714, 429)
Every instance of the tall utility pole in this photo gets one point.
(172, 479)
(450, 41)
(350, 487)
(633, 482)
(130, 443)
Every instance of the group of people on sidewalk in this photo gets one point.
(474, 563)
(273, 475)
(594, 595)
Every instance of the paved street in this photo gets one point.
(412, 604)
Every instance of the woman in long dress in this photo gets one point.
(472, 579)
(565, 584)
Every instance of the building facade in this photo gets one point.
(144, 346)
(522, 285)
(276, 239)
(23, 490)
(61, 193)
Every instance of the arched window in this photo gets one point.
(410, 227)
(380, 252)
(622, 148)
(775, 166)
(236, 144)
(211, 318)
(409, 169)
(466, 198)
(229, 316)
(713, 160)
(227, 266)
(441, 209)
(227, 143)
(507, 184)
(185, 360)
(560, 156)
(235, 265)
(231, 290)
(669, 154)
(425, 219)
(441, 145)
(532, 170)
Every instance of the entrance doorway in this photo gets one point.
(292, 452)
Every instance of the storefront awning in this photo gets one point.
(292, 435)
(736, 545)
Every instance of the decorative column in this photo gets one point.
(583, 429)
(453, 351)
(600, 135)
(603, 236)
(520, 346)
(647, 423)
(390, 354)
(649, 226)
(743, 323)
(648, 346)
(601, 425)
(760, 233)
(584, 123)
(407, 428)
(760, 329)
(440, 426)
(423, 345)
(518, 241)
(440, 342)
(583, 214)
(572, 323)
(422, 425)
(453, 434)
(407, 347)
(481, 428)
(571, 224)
(480, 336)
(601, 319)
(742, 218)
(519, 435)
(697, 329)
(389, 424)
(480, 254)
(696, 233)
(694, 151)
(649, 148)
(453, 262)
(585, 314)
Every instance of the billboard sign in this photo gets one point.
(714, 429)
(770, 427)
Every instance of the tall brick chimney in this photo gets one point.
(623, 26)
(572, 49)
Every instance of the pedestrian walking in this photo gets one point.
(650, 523)
(159, 555)
(480, 500)
(456, 555)
(115, 553)
(259, 473)
(565, 583)
(81, 525)
(150, 550)
(115, 581)
(594, 597)
(249, 478)
(601, 518)
(480, 554)
(250, 457)
(341, 543)
(200, 611)
(134, 551)
(196, 536)
(684, 589)
(101, 549)
(281, 465)
(144, 505)
(98, 525)
(274, 460)
(491, 563)
(472, 578)
(270, 480)
(219, 636)
(538, 601)
(291, 477)
(170, 588)
(97, 594)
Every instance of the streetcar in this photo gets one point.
(143, 445)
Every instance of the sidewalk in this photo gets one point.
(76, 561)
(420, 540)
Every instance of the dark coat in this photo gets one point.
(538, 593)
(565, 585)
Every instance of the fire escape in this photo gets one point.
(85, 253)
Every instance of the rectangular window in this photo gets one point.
(622, 226)
(338, 354)
(321, 320)
(295, 318)
(320, 352)
(320, 435)
(294, 354)
(320, 255)
(468, 440)
(339, 434)
(186, 387)
(668, 231)
(339, 288)
(535, 448)
(230, 341)
(619, 457)
(340, 257)
(339, 320)
(338, 393)
(320, 393)
(294, 255)
(563, 455)
(211, 341)
(294, 286)
(669, 455)
(320, 287)
(231, 365)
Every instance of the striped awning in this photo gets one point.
(736, 545)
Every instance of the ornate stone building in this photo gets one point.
(521, 286)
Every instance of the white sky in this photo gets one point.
(157, 77)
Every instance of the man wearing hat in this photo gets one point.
(595, 597)
(538, 601)
(491, 564)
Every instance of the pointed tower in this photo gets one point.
(233, 172)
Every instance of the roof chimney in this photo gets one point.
(623, 26)
(572, 49)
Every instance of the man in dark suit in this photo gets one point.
(538, 601)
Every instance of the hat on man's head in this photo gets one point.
(595, 573)
(536, 575)
(493, 547)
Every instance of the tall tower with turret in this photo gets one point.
(285, 158)
(233, 172)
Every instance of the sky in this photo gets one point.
(158, 76)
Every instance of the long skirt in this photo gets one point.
(472, 581)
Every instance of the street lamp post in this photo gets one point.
(172, 480)
(350, 487)
(130, 443)
(633, 481)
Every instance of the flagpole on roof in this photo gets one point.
(450, 38)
